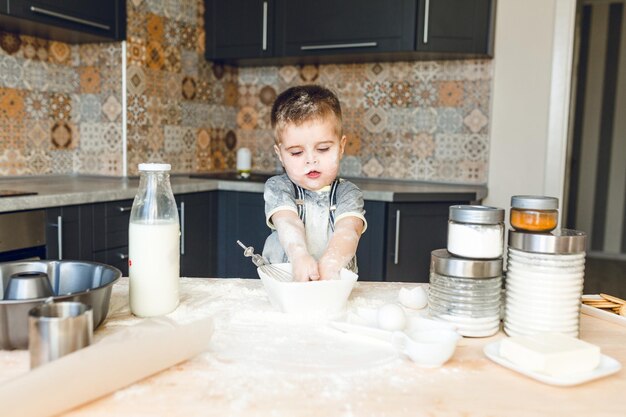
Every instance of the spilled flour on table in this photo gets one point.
(258, 355)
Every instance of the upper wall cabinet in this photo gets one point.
(72, 21)
(463, 26)
(239, 29)
(337, 27)
(258, 32)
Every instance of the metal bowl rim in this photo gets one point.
(64, 296)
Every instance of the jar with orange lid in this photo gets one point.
(531, 213)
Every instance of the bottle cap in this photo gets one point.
(154, 167)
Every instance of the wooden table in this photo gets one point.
(261, 362)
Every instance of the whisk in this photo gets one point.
(271, 270)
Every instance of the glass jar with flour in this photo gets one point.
(154, 244)
(476, 232)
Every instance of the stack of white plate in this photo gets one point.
(543, 292)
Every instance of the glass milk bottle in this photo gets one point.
(154, 244)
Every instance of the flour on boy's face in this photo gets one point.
(310, 152)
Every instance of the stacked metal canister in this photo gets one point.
(466, 278)
(545, 270)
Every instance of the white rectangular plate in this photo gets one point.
(608, 366)
(599, 313)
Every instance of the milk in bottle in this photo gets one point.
(154, 244)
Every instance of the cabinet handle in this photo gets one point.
(124, 209)
(60, 235)
(264, 26)
(122, 256)
(339, 46)
(396, 255)
(182, 228)
(69, 18)
(426, 19)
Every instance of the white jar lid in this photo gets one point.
(154, 167)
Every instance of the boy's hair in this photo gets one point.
(300, 104)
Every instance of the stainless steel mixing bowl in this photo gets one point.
(87, 282)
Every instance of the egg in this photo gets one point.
(391, 317)
(415, 298)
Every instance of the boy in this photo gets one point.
(316, 218)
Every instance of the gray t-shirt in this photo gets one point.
(280, 195)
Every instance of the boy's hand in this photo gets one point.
(341, 248)
(329, 267)
(305, 269)
(292, 237)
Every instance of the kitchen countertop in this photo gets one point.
(261, 362)
(62, 190)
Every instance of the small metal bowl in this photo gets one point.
(87, 282)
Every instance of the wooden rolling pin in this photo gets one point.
(117, 361)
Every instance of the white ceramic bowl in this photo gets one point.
(546, 312)
(545, 257)
(540, 320)
(537, 310)
(473, 327)
(529, 298)
(521, 329)
(571, 286)
(430, 348)
(539, 279)
(515, 332)
(544, 293)
(326, 297)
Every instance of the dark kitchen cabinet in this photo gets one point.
(110, 233)
(455, 26)
(69, 232)
(73, 21)
(337, 27)
(198, 239)
(395, 247)
(389, 250)
(241, 217)
(99, 232)
(239, 28)
(399, 239)
(372, 245)
(196, 212)
(256, 32)
(414, 230)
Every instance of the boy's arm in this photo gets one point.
(292, 238)
(341, 247)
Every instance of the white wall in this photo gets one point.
(530, 106)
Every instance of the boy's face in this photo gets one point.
(310, 153)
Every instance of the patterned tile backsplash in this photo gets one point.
(61, 106)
